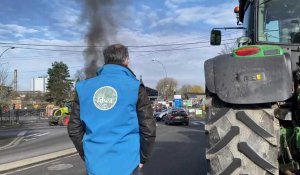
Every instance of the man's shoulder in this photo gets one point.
(86, 82)
(127, 78)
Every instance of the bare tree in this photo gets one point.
(167, 87)
(3, 75)
(190, 89)
(4, 89)
(185, 89)
(197, 89)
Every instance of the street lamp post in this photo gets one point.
(164, 70)
(1, 56)
(6, 50)
(162, 66)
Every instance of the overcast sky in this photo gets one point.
(180, 28)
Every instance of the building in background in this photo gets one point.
(39, 84)
(197, 99)
(152, 93)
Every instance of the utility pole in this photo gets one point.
(141, 79)
(15, 80)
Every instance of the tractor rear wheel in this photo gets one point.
(242, 139)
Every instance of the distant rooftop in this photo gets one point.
(151, 92)
(190, 95)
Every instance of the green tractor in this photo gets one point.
(60, 116)
(253, 112)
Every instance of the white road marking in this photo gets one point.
(26, 140)
(198, 122)
(15, 141)
(59, 167)
(37, 134)
(22, 133)
(42, 134)
(34, 136)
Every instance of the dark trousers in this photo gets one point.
(137, 171)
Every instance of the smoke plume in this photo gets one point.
(102, 29)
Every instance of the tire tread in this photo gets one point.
(231, 131)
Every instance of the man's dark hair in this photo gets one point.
(115, 54)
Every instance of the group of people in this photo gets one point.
(111, 123)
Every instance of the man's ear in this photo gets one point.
(126, 62)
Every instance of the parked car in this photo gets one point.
(177, 115)
(161, 116)
(156, 113)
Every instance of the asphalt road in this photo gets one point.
(179, 150)
(34, 139)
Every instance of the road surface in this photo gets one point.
(179, 150)
(33, 139)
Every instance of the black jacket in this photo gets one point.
(146, 121)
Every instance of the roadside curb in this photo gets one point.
(5, 127)
(31, 128)
(38, 159)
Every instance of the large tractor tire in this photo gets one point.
(242, 139)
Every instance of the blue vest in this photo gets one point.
(108, 104)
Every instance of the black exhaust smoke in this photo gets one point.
(99, 15)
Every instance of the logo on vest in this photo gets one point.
(105, 98)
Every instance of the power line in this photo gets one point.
(153, 52)
(20, 71)
(204, 37)
(48, 58)
(41, 49)
(84, 46)
(40, 56)
(31, 48)
(143, 51)
(133, 46)
(178, 49)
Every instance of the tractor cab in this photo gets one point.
(60, 116)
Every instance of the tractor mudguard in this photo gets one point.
(250, 80)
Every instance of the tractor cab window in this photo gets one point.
(56, 113)
(272, 31)
(279, 21)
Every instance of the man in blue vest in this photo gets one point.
(112, 124)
